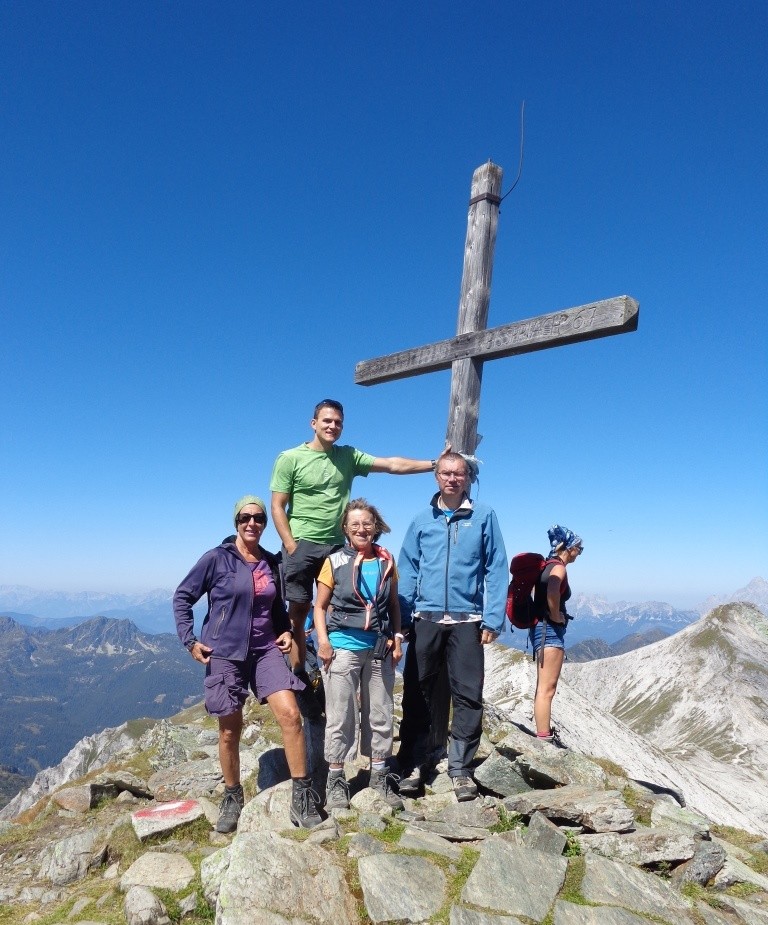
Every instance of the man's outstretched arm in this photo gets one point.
(401, 465)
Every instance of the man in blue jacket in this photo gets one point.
(453, 587)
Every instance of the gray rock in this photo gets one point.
(368, 801)
(158, 869)
(77, 799)
(544, 835)
(186, 779)
(384, 904)
(500, 775)
(530, 892)
(372, 822)
(361, 845)
(451, 830)
(124, 782)
(747, 912)
(618, 884)
(268, 811)
(142, 907)
(460, 915)
(188, 905)
(666, 814)
(707, 861)
(414, 840)
(735, 871)
(598, 810)
(77, 907)
(71, 858)
(648, 846)
(573, 914)
(162, 818)
(481, 813)
(296, 883)
(212, 870)
(710, 916)
(542, 766)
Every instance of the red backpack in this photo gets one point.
(526, 569)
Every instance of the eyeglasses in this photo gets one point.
(452, 475)
(243, 519)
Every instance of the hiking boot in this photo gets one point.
(464, 788)
(304, 802)
(229, 811)
(336, 791)
(384, 783)
(553, 739)
(410, 783)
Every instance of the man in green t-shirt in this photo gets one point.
(310, 487)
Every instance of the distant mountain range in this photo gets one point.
(603, 628)
(590, 649)
(60, 685)
(151, 611)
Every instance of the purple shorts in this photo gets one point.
(227, 682)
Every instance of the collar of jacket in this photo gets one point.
(463, 510)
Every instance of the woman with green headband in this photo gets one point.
(244, 638)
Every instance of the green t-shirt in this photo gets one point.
(319, 485)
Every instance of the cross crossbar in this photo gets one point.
(618, 315)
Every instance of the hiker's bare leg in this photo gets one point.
(286, 712)
(230, 728)
(547, 676)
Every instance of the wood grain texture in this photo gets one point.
(618, 315)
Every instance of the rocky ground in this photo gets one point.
(555, 838)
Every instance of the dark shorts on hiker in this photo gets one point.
(302, 568)
(554, 639)
(264, 672)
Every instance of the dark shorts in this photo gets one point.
(302, 568)
(554, 638)
(227, 682)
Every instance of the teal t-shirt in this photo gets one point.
(319, 485)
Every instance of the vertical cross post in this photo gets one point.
(475, 298)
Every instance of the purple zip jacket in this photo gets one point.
(225, 577)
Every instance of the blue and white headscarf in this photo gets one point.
(562, 536)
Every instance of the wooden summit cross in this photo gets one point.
(474, 343)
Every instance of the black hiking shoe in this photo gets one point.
(229, 810)
(337, 791)
(384, 782)
(304, 802)
(410, 783)
(464, 789)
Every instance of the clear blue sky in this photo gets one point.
(209, 212)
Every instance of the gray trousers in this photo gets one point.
(354, 675)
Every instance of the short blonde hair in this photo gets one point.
(360, 504)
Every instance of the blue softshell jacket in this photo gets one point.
(456, 564)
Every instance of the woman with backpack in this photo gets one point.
(548, 635)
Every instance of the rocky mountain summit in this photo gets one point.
(124, 832)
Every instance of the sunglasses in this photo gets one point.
(247, 518)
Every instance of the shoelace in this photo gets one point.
(338, 783)
(309, 800)
(391, 780)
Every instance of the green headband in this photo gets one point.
(248, 499)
